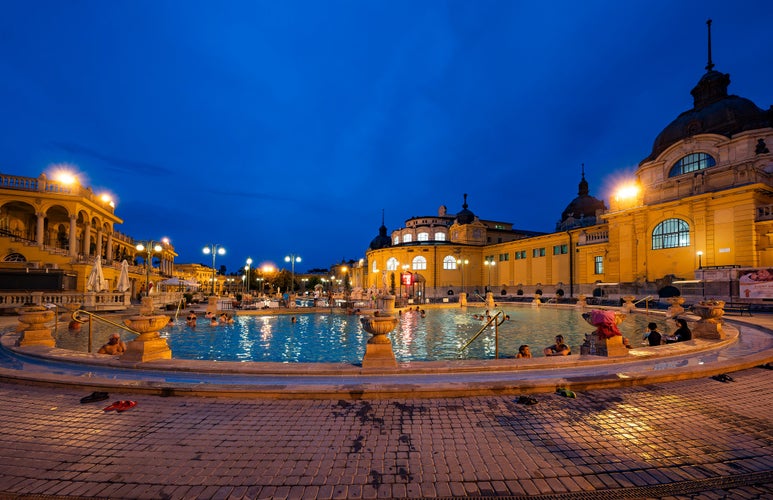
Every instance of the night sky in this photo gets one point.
(278, 127)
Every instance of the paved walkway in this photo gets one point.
(665, 440)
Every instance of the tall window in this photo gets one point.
(375, 267)
(419, 263)
(671, 233)
(692, 163)
(449, 262)
(598, 264)
(397, 240)
(407, 238)
(392, 264)
(422, 237)
(440, 236)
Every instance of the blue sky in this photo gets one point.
(285, 127)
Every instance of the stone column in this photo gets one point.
(86, 239)
(99, 242)
(39, 229)
(109, 258)
(73, 236)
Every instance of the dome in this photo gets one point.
(465, 216)
(382, 240)
(581, 211)
(713, 112)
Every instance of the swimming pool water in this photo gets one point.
(340, 338)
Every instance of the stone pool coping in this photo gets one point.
(457, 378)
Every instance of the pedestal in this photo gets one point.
(537, 300)
(32, 320)
(212, 304)
(386, 304)
(463, 299)
(378, 351)
(628, 304)
(489, 300)
(581, 301)
(710, 324)
(148, 345)
(599, 346)
(676, 307)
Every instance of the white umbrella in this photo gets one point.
(94, 283)
(123, 284)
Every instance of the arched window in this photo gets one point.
(397, 240)
(407, 238)
(419, 263)
(375, 267)
(422, 237)
(449, 262)
(392, 264)
(440, 236)
(15, 257)
(671, 233)
(692, 163)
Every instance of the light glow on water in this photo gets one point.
(331, 338)
(439, 335)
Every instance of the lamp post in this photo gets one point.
(247, 268)
(213, 249)
(489, 263)
(292, 258)
(150, 248)
(461, 263)
(700, 266)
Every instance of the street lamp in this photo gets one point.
(700, 266)
(292, 258)
(700, 257)
(247, 268)
(150, 248)
(461, 263)
(215, 250)
(489, 263)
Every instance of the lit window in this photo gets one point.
(419, 263)
(503, 257)
(392, 264)
(671, 233)
(440, 236)
(422, 237)
(449, 262)
(397, 240)
(692, 163)
(598, 264)
(407, 238)
(375, 267)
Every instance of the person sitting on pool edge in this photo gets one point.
(114, 346)
(558, 349)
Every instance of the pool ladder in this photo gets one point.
(497, 319)
(90, 316)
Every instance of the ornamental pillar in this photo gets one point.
(39, 229)
(73, 236)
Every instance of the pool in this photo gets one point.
(439, 335)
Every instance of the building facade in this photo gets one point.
(698, 217)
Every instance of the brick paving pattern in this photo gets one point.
(691, 439)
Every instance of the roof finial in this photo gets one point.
(464, 205)
(710, 65)
(382, 216)
(583, 169)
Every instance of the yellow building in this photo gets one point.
(52, 231)
(698, 217)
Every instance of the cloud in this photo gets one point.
(116, 164)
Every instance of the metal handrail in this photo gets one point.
(493, 319)
(91, 316)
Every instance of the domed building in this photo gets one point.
(698, 216)
(582, 211)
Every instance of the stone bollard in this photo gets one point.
(676, 307)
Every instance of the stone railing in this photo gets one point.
(593, 238)
(91, 301)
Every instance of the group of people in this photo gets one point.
(653, 336)
(214, 319)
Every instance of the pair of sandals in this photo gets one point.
(562, 391)
(723, 377)
(120, 406)
(526, 400)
